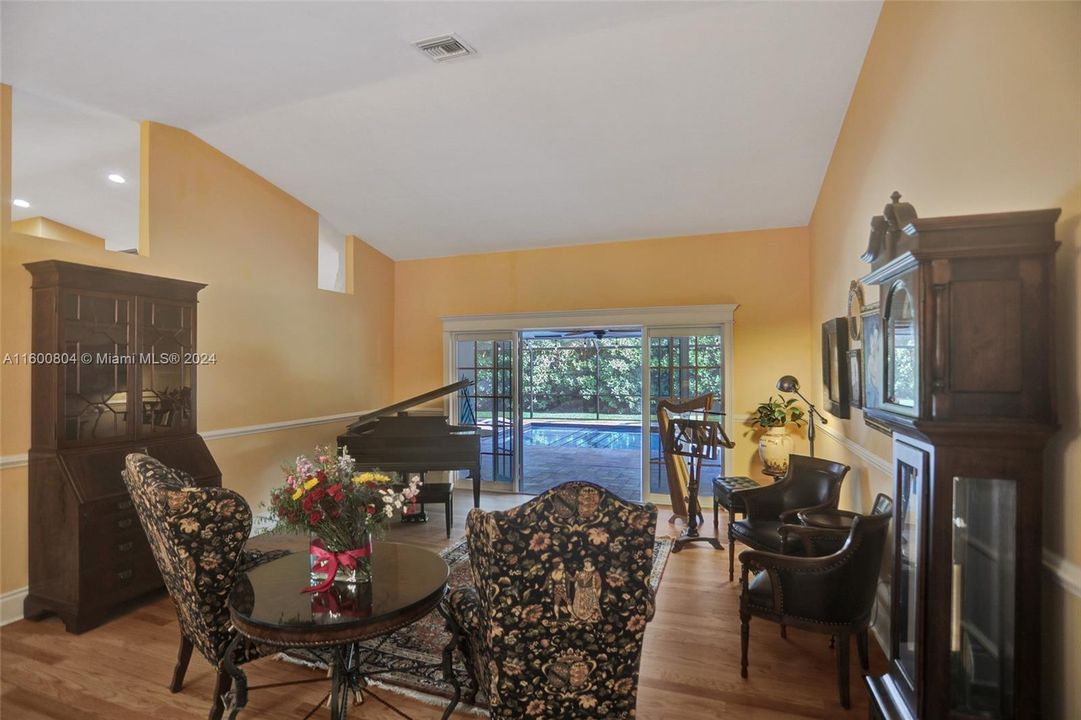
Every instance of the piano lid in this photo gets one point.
(365, 420)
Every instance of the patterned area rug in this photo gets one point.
(423, 641)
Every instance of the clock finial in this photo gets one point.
(895, 197)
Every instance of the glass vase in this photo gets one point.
(354, 565)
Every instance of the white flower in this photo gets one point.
(388, 511)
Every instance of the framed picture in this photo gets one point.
(855, 378)
(835, 366)
(873, 363)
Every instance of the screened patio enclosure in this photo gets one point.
(558, 404)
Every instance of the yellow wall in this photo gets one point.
(764, 272)
(46, 228)
(968, 108)
(285, 350)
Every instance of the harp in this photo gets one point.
(675, 466)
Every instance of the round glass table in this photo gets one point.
(268, 605)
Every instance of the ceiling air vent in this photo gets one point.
(444, 47)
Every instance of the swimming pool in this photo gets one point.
(565, 435)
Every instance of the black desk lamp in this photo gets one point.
(790, 384)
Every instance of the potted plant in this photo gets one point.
(774, 445)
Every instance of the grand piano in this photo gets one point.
(392, 440)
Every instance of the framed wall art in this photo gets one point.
(835, 366)
(873, 362)
(855, 378)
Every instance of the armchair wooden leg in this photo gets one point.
(842, 669)
(731, 553)
(861, 648)
(744, 640)
(784, 632)
(221, 686)
(183, 655)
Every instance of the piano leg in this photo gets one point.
(474, 474)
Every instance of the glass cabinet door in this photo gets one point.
(96, 334)
(982, 607)
(910, 466)
(167, 332)
(902, 360)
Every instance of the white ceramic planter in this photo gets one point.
(774, 447)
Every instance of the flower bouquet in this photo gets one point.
(340, 509)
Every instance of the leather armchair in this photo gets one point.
(833, 595)
(197, 535)
(554, 627)
(810, 484)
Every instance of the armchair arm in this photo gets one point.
(464, 606)
(812, 588)
(816, 541)
(762, 503)
(254, 558)
(790, 516)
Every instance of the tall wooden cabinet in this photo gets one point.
(113, 373)
(966, 305)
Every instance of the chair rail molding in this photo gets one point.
(1065, 573)
(21, 459)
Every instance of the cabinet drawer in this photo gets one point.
(116, 582)
(107, 507)
(113, 544)
(122, 521)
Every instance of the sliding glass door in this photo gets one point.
(557, 404)
(488, 360)
(684, 363)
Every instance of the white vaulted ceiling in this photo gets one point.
(575, 122)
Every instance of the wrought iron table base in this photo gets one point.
(347, 680)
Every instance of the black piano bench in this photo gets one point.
(434, 493)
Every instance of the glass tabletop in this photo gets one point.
(404, 577)
(831, 520)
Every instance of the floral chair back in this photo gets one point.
(197, 535)
(564, 596)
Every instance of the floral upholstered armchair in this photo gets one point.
(197, 535)
(554, 626)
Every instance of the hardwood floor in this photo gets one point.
(690, 663)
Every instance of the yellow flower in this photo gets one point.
(368, 477)
(299, 493)
(309, 484)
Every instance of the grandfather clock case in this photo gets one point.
(123, 381)
(967, 390)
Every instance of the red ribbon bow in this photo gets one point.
(330, 562)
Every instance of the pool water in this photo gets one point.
(583, 436)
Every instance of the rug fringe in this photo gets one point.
(427, 699)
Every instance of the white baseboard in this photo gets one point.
(11, 605)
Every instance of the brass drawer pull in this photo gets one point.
(125, 523)
(125, 574)
(123, 505)
(125, 547)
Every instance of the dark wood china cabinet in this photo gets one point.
(116, 376)
(966, 305)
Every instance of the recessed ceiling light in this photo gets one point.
(20, 203)
(118, 179)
